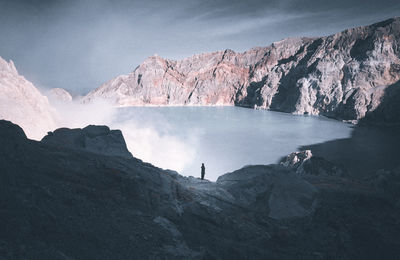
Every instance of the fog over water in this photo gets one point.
(224, 138)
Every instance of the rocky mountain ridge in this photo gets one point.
(59, 95)
(21, 102)
(344, 75)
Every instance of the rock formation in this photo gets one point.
(59, 95)
(344, 75)
(23, 104)
(304, 163)
(295, 159)
(96, 139)
(288, 195)
(61, 200)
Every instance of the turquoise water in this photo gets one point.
(223, 138)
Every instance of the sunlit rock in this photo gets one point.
(23, 104)
(59, 95)
(344, 75)
(304, 163)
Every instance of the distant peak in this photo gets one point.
(7, 66)
(153, 57)
(59, 94)
(229, 51)
(386, 22)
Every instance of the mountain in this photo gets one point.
(59, 95)
(22, 103)
(344, 75)
(61, 198)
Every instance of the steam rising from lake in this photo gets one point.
(224, 138)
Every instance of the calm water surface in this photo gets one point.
(224, 138)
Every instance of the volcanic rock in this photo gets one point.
(96, 139)
(344, 76)
(23, 104)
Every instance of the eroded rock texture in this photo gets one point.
(59, 95)
(344, 75)
(96, 139)
(22, 103)
(59, 200)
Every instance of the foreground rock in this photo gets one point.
(344, 75)
(95, 139)
(272, 189)
(388, 182)
(59, 200)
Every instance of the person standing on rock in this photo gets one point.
(203, 171)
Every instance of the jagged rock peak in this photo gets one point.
(7, 66)
(23, 104)
(343, 75)
(59, 94)
(96, 139)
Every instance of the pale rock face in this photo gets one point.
(296, 158)
(343, 75)
(59, 95)
(23, 104)
(304, 163)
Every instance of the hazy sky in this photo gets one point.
(77, 45)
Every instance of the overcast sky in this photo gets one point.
(77, 45)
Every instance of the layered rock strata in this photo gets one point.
(344, 75)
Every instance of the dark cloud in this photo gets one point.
(78, 45)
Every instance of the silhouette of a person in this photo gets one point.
(203, 171)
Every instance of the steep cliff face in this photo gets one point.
(206, 79)
(23, 104)
(344, 75)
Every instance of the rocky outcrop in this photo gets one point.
(95, 139)
(62, 196)
(59, 95)
(10, 133)
(387, 182)
(387, 113)
(304, 163)
(60, 200)
(295, 159)
(344, 75)
(23, 104)
(273, 189)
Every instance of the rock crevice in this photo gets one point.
(342, 75)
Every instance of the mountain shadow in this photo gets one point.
(374, 142)
(288, 92)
